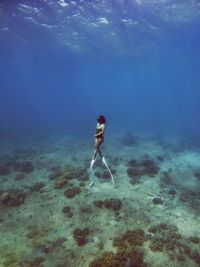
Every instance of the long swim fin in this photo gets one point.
(92, 164)
(104, 161)
(91, 171)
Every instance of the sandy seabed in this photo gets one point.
(51, 217)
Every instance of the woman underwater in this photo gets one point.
(99, 139)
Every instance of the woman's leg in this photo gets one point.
(97, 150)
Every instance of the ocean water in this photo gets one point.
(62, 63)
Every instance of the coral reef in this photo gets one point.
(67, 211)
(137, 169)
(60, 182)
(129, 251)
(190, 197)
(195, 239)
(130, 238)
(56, 173)
(134, 258)
(81, 235)
(72, 192)
(70, 172)
(112, 203)
(157, 200)
(12, 198)
(165, 237)
(37, 234)
(105, 175)
(25, 166)
(36, 187)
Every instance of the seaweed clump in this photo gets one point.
(129, 251)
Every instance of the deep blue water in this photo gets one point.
(136, 62)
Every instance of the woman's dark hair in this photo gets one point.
(101, 119)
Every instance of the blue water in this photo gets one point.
(64, 62)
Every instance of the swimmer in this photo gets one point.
(99, 139)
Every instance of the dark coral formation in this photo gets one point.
(67, 211)
(151, 169)
(70, 172)
(134, 258)
(38, 235)
(129, 251)
(12, 198)
(105, 175)
(190, 197)
(166, 237)
(112, 203)
(25, 166)
(36, 187)
(157, 200)
(130, 238)
(172, 192)
(20, 166)
(81, 235)
(162, 237)
(195, 239)
(35, 232)
(137, 169)
(56, 173)
(72, 192)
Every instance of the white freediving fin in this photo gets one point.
(104, 161)
(91, 170)
(92, 164)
